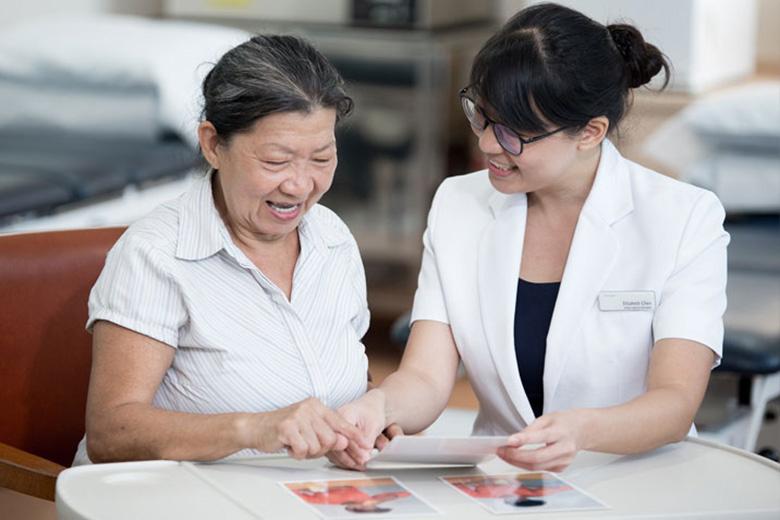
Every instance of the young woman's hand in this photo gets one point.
(307, 429)
(561, 435)
(368, 415)
(389, 433)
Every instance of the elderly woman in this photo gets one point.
(231, 318)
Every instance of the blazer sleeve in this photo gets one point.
(429, 302)
(693, 299)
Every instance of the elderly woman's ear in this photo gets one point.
(209, 141)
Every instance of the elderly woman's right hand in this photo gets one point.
(307, 429)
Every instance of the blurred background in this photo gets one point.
(99, 104)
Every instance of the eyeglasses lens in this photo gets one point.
(508, 139)
(476, 120)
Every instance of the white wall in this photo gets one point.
(15, 11)
(768, 30)
(709, 42)
(724, 41)
(769, 34)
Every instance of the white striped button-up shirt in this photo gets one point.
(176, 276)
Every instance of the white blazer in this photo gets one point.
(643, 241)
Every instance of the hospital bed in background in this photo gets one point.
(98, 119)
(748, 378)
(44, 173)
(729, 142)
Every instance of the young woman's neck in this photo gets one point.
(570, 193)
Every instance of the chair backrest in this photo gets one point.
(45, 353)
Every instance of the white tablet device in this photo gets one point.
(461, 451)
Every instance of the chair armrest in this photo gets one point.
(28, 473)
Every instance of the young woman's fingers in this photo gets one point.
(350, 431)
(343, 460)
(541, 435)
(540, 458)
(358, 454)
(393, 431)
(386, 436)
(556, 465)
(381, 442)
(560, 467)
(531, 431)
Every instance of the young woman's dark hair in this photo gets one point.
(550, 66)
(266, 75)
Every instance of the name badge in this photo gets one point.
(626, 300)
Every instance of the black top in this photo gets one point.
(533, 313)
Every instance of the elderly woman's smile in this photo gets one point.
(284, 211)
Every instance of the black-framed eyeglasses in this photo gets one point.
(506, 137)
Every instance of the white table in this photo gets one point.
(692, 479)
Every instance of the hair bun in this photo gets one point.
(643, 60)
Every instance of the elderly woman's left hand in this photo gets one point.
(561, 435)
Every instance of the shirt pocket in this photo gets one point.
(629, 335)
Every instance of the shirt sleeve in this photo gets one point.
(429, 303)
(362, 319)
(693, 299)
(135, 290)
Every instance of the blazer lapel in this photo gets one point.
(591, 258)
(500, 250)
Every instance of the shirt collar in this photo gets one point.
(610, 198)
(323, 228)
(201, 230)
(202, 233)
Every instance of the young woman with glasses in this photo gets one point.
(583, 293)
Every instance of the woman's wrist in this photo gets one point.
(249, 431)
(377, 399)
(588, 419)
(240, 430)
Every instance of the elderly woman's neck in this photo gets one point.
(262, 249)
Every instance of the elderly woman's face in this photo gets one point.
(270, 176)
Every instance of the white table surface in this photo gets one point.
(692, 479)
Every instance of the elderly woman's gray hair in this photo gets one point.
(266, 75)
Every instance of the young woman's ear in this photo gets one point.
(209, 141)
(593, 133)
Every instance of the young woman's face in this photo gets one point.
(271, 175)
(542, 165)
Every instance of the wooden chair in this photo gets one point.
(45, 353)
